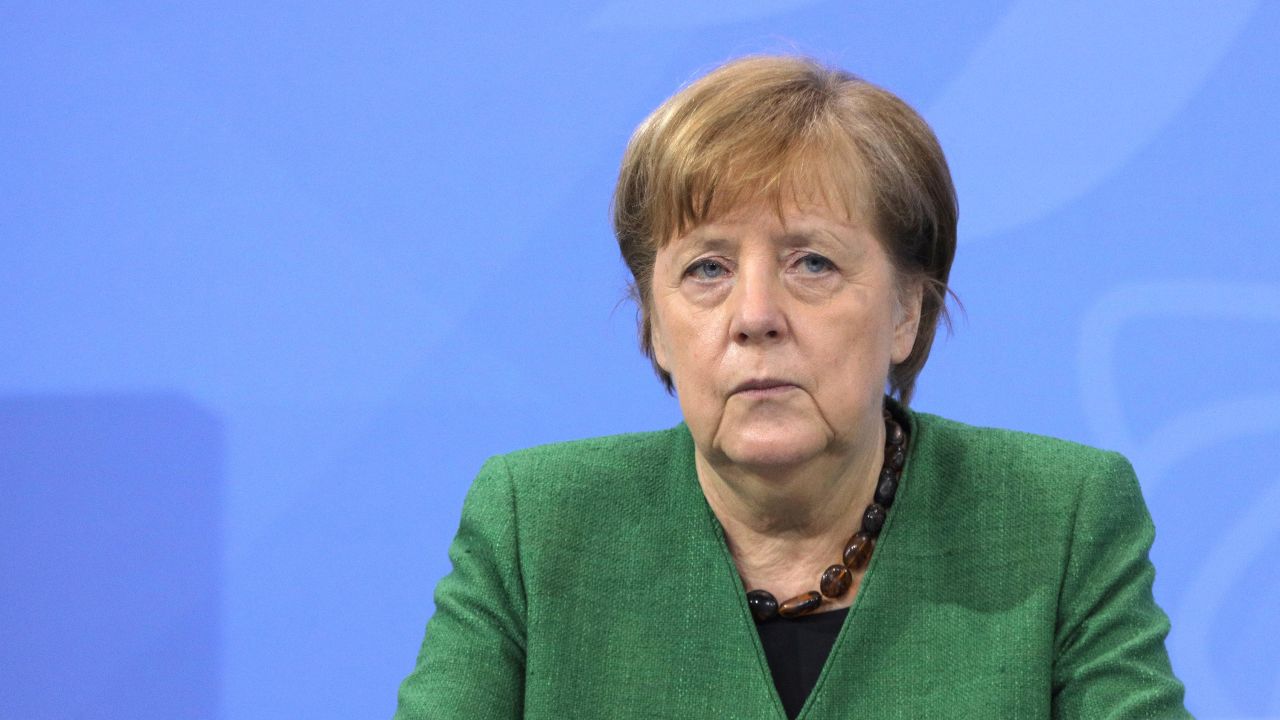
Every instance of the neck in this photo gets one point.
(785, 525)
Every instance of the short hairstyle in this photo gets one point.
(774, 128)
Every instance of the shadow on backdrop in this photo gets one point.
(110, 557)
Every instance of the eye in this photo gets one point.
(706, 269)
(815, 264)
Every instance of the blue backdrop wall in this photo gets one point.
(275, 279)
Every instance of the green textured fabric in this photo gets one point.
(591, 580)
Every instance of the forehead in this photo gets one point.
(813, 186)
(788, 222)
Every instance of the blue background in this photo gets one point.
(276, 278)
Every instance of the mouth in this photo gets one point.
(763, 387)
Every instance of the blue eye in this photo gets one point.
(706, 270)
(816, 264)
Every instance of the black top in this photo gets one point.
(796, 650)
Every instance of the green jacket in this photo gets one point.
(591, 580)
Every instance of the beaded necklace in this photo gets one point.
(837, 579)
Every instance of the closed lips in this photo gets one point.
(766, 384)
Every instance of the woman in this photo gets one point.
(801, 544)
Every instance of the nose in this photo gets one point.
(758, 312)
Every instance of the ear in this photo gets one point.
(910, 303)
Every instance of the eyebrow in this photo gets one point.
(695, 243)
(815, 236)
(801, 237)
(699, 242)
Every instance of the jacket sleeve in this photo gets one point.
(1110, 660)
(471, 664)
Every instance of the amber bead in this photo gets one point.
(800, 604)
(858, 552)
(763, 605)
(873, 519)
(895, 433)
(885, 491)
(835, 581)
(894, 457)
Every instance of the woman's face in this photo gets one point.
(779, 334)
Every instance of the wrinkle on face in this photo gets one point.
(765, 307)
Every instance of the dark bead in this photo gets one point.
(858, 552)
(836, 581)
(800, 604)
(895, 434)
(886, 490)
(763, 605)
(873, 519)
(895, 457)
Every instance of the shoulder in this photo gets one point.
(579, 460)
(1013, 508)
(960, 440)
(597, 475)
(1020, 486)
(994, 455)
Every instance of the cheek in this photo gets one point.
(658, 341)
(694, 357)
(858, 354)
(664, 334)
(687, 332)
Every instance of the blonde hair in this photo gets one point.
(774, 128)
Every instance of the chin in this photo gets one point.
(773, 448)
